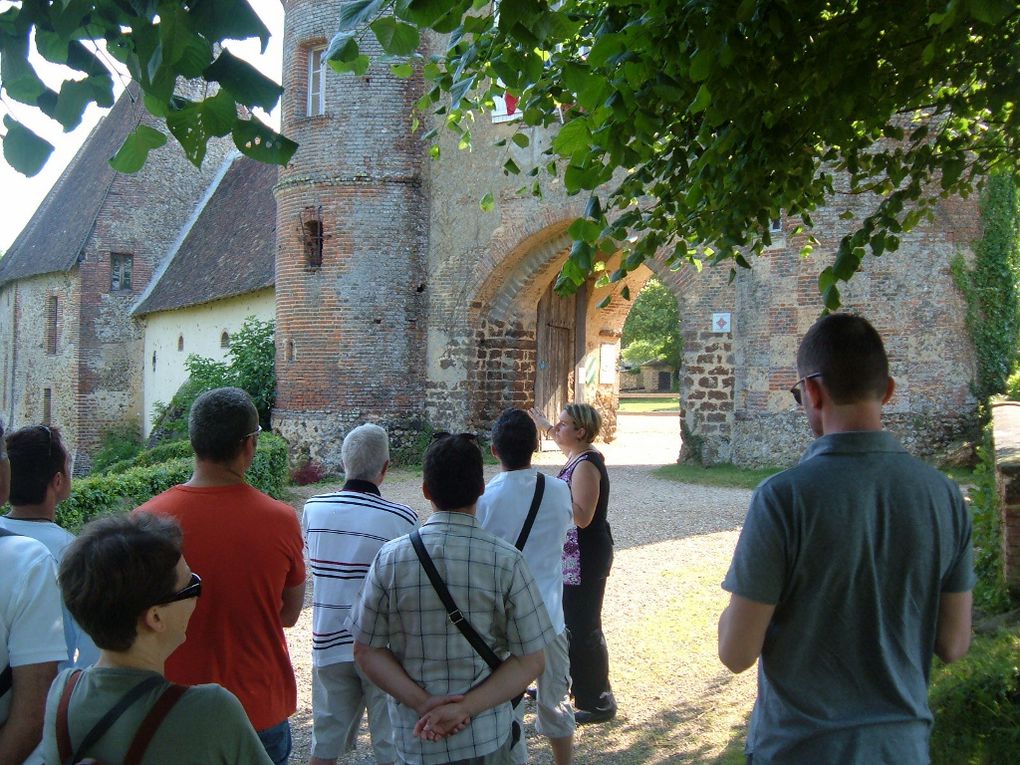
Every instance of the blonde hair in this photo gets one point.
(587, 417)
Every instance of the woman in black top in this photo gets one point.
(587, 559)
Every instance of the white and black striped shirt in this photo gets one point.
(343, 532)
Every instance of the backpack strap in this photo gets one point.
(125, 701)
(536, 500)
(63, 734)
(152, 722)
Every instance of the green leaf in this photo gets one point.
(356, 13)
(521, 139)
(75, 95)
(263, 143)
(135, 150)
(245, 83)
(701, 100)
(701, 65)
(511, 168)
(24, 150)
(604, 301)
(460, 89)
(395, 37)
(403, 71)
(573, 137)
(487, 203)
(16, 73)
(228, 20)
(991, 11)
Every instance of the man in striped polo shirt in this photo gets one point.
(343, 532)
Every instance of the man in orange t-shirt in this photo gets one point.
(247, 547)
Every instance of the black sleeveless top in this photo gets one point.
(594, 541)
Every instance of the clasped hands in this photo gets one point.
(441, 716)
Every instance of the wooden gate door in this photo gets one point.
(554, 373)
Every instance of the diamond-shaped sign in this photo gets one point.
(721, 322)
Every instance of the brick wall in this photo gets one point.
(351, 333)
(1006, 436)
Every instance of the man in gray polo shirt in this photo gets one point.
(852, 569)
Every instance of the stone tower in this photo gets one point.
(351, 236)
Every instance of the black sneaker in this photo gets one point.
(602, 713)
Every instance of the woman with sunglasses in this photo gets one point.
(587, 558)
(126, 583)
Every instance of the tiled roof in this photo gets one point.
(62, 224)
(230, 247)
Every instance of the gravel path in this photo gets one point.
(673, 544)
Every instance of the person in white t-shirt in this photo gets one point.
(31, 644)
(40, 480)
(502, 510)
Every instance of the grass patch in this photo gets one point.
(727, 476)
(976, 704)
(648, 405)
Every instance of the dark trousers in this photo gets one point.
(589, 655)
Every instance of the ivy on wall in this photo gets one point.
(991, 285)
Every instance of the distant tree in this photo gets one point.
(652, 329)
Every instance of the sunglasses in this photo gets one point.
(795, 390)
(254, 433)
(49, 442)
(191, 590)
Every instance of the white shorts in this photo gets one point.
(340, 694)
(554, 716)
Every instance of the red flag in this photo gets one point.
(511, 103)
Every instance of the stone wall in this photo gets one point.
(1006, 437)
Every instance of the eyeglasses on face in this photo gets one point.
(191, 590)
(795, 390)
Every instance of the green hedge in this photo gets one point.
(119, 492)
(976, 704)
(172, 450)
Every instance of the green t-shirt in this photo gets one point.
(207, 726)
(854, 547)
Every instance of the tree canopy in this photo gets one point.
(652, 329)
(156, 42)
(691, 124)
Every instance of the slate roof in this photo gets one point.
(60, 227)
(230, 248)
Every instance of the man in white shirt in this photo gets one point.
(503, 510)
(343, 532)
(40, 480)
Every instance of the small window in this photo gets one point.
(290, 350)
(47, 406)
(153, 361)
(316, 82)
(225, 339)
(180, 342)
(313, 243)
(776, 226)
(120, 271)
(52, 315)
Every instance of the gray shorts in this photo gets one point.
(340, 695)
(554, 716)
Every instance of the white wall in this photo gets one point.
(201, 327)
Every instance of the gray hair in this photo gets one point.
(365, 452)
(219, 421)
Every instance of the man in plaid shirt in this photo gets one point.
(447, 705)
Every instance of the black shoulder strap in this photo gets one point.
(536, 500)
(458, 619)
(100, 728)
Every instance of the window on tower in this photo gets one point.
(316, 81)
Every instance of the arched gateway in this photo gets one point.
(399, 301)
